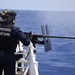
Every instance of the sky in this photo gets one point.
(47, 5)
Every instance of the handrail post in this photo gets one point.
(33, 64)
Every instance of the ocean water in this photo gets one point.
(61, 59)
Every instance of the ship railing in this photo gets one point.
(33, 64)
(29, 65)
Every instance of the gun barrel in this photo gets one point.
(40, 36)
(65, 37)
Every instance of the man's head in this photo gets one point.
(8, 15)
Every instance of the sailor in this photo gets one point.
(9, 35)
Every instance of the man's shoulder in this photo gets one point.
(15, 28)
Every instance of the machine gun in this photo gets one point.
(46, 37)
(45, 41)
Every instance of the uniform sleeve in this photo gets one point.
(21, 36)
